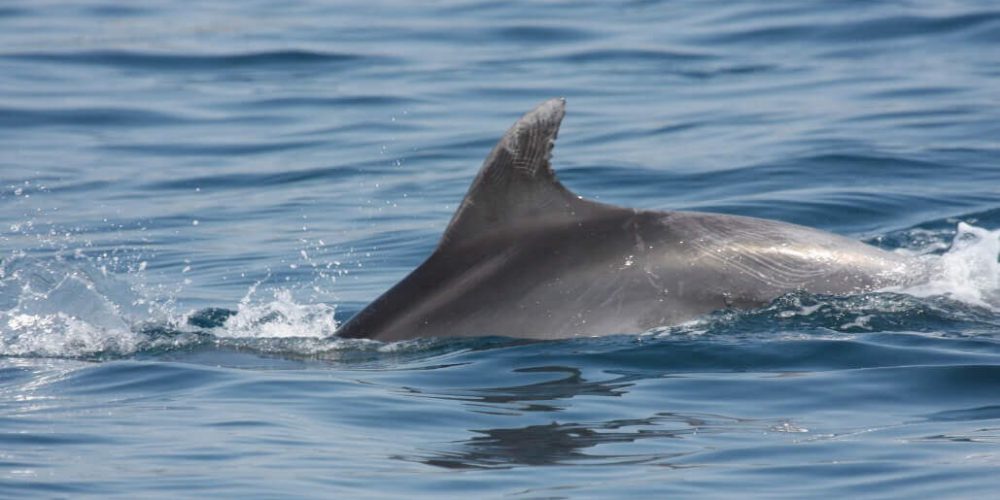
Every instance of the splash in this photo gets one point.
(74, 309)
(968, 271)
(280, 317)
(79, 309)
(61, 335)
(962, 291)
(60, 309)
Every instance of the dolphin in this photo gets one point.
(523, 256)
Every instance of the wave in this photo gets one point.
(186, 62)
(982, 25)
(77, 309)
(11, 117)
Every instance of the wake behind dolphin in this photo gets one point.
(525, 257)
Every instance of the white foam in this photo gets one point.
(59, 310)
(61, 335)
(278, 318)
(968, 271)
(76, 309)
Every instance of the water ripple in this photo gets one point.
(275, 59)
(249, 180)
(228, 150)
(878, 29)
(194, 195)
(12, 117)
(355, 101)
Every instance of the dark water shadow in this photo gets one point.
(569, 385)
(573, 443)
(539, 396)
(569, 442)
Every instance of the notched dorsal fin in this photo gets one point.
(516, 184)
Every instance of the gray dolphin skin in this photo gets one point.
(525, 257)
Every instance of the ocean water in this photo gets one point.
(194, 195)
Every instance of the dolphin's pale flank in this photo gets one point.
(525, 257)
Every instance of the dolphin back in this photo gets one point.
(523, 256)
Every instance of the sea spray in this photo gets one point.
(968, 271)
(71, 309)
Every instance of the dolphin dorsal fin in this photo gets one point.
(516, 184)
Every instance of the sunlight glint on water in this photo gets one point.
(194, 195)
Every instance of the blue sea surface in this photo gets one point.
(193, 195)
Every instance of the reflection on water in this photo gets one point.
(190, 190)
(541, 396)
(564, 443)
(569, 442)
(538, 396)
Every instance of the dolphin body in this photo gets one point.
(525, 257)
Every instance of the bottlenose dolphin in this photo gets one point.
(525, 257)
